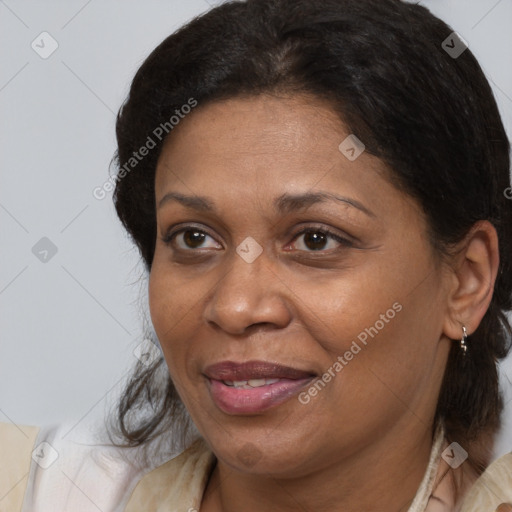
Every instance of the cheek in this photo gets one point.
(376, 335)
(358, 304)
(170, 309)
(160, 302)
(176, 305)
(394, 370)
(171, 299)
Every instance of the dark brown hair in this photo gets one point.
(381, 65)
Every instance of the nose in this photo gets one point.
(249, 296)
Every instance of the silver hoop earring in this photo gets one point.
(463, 345)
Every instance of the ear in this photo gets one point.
(474, 270)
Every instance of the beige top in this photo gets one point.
(15, 457)
(191, 469)
(178, 484)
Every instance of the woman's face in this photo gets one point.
(287, 262)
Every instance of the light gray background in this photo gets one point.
(69, 325)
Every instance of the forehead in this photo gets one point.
(248, 135)
(258, 148)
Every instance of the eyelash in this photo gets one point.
(169, 237)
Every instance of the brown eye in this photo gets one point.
(318, 240)
(189, 238)
(315, 241)
(193, 239)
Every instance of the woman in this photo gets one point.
(317, 191)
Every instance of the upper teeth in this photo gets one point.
(249, 384)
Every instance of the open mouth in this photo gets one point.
(255, 386)
(250, 384)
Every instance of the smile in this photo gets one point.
(255, 386)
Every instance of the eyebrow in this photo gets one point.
(285, 203)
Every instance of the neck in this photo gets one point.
(382, 477)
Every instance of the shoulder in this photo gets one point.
(76, 468)
(493, 488)
(179, 481)
(16, 447)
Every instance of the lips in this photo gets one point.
(253, 386)
(231, 371)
